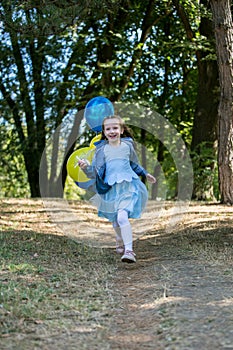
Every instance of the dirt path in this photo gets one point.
(178, 296)
(174, 301)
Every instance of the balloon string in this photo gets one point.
(78, 159)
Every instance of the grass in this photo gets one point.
(58, 294)
(52, 281)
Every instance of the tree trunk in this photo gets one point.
(205, 119)
(157, 170)
(223, 26)
(32, 168)
(204, 135)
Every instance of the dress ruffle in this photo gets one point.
(131, 196)
(118, 178)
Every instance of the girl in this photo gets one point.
(122, 195)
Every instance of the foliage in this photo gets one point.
(72, 191)
(13, 176)
(55, 57)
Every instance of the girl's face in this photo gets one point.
(113, 130)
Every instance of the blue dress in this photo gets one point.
(127, 191)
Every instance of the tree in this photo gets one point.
(166, 81)
(55, 57)
(223, 26)
(28, 34)
(204, 133)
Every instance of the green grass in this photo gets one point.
(53, 281)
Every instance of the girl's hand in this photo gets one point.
(83, 163)
(151, 178)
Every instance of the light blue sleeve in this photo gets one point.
(138, 169)
(90, 170)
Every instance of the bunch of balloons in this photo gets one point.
(95, 111)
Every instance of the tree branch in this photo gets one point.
(148, 22)
(183, 16)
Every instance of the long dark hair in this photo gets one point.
(127, 132)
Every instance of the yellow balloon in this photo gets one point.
(95, 139)
(73, 169)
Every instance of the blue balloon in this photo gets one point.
(96, 110)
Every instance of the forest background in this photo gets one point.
(173, 57)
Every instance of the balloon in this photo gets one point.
(96, 110)
(73, 169)
(95, 139)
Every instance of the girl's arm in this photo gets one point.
(88, 169)
(138, 169)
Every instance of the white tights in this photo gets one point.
(123, 229)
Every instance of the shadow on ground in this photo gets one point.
(69, 295)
